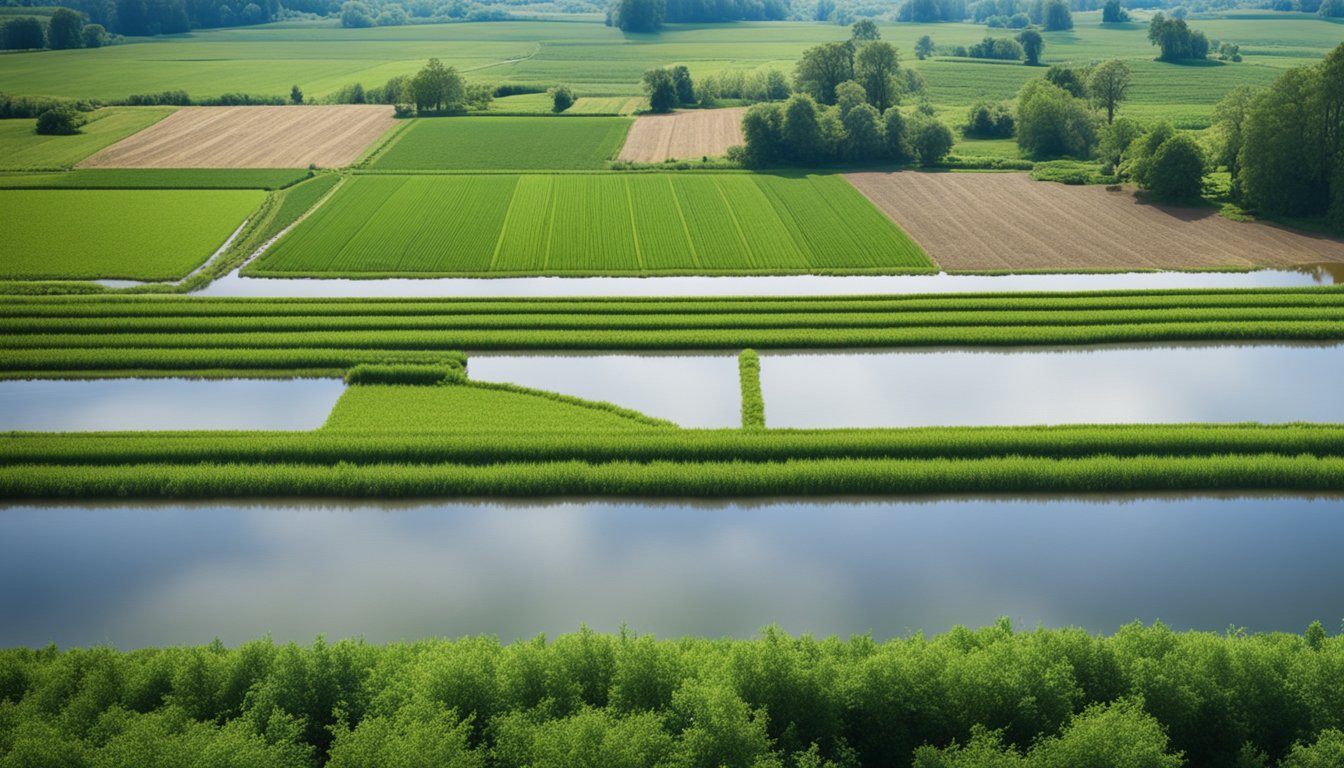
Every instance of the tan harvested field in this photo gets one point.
(1006, 221)
(684, 135)
(251, 137)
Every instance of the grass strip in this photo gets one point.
(1011, 474)
(749, 375)
(524, 443)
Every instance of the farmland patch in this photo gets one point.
(1009, 222)
(125, 234)
(251, 137)
(505, 143)
(22, 148)
(684, 135)
(642, 224)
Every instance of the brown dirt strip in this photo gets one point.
(686, 135)
(1006, 221)
(251, 137)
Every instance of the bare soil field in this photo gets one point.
(683, 135)
(1006, 221)
(251, 137)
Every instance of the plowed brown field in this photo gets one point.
(1006, 221)
(683, 135)
(251, 137)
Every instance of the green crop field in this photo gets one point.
(472, 408)
(130, 234)
(156, 178)
(22, 149)
(590, 224)
(505, 143)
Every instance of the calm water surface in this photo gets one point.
(156, 575)
(689, 390)
(134, 404)
(780, 285)
(1103, 385)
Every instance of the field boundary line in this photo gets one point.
(504, 228)
(374, 152)
(321, 201)
(737, 225)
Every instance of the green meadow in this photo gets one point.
(22, 149)
(505, 143)
(141, 234)
(601, 61)
(632, 224)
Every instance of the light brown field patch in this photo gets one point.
(1006, 221)
(685, 135)
(251, 137)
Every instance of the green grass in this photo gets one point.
(749, 374)
(473, 408)
(633, 224)
(607, 105)
(156, 178)
(130, 234)
(505, 143)
(600, 61)
(81, 336)
(22, 149)
(1008, 474)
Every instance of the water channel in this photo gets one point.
(169, 574)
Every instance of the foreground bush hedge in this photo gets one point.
(1145, 697)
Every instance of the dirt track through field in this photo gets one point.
(686, 135)
(1006, 221)
(251, 137)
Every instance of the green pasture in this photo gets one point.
(156, 178)
(633, 224)
(504, 143)
(22, 149)
(601, 61)
(127, 234)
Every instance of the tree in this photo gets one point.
(681, 79)
(849, 95)
(356, 15)
(661, 88)
(802, 136)
(763, 132)
(894, 136)
(1116, 139)
(1177, 169)
(1068, 79)
(94, 36)
(822, 68)
(1175, 40)
(1331, 9)
(1229, 120)
(1328, 751)
(930, 140)
(1051, 123)
(1113, 13)
(435, 88)
(562, 98)
(1109, 84)
(877, 67)
(22, 35)
(295, 94)
(923, 47)
(989, 121)
(1292, 151)
(1057, 17)
(64, 30)
(58, 121)
(864, 31)
(1032, 45)
(863, 133)
(639, 15)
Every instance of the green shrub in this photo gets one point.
(402, 373)
(58, 121)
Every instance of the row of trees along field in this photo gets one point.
(1146, 697)
(846, 108)
(64, 29)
